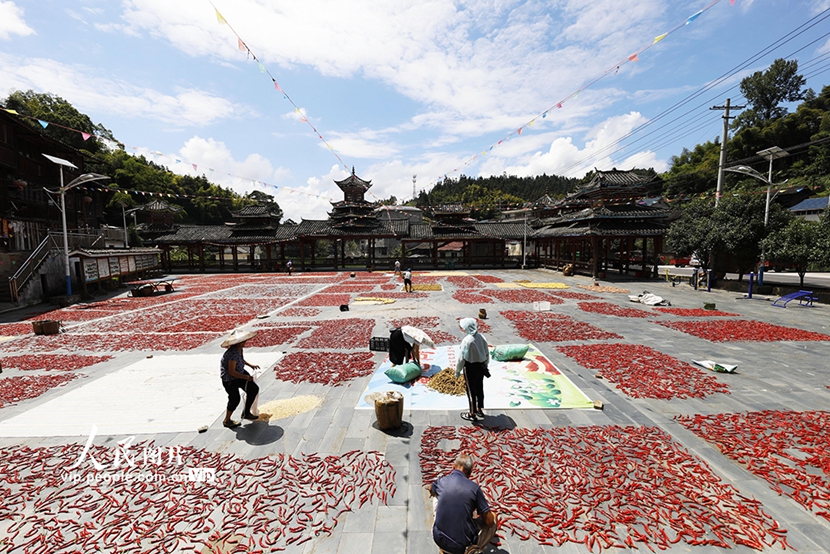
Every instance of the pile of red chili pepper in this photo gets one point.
(325, 300)
(114, 342)
(521, 296)
(742, 330)
(390, 286)
(16, 389)
(339, 333)
(350, 288)
(642, 372)
(550, 327)
(489, 279)
(471, 297)
(695, 312)
(787, 449)
(268, 336)
(51, 362)
(421, 322)
(327, 368)
(219, 323)
(601, 486)
(607, 308)
(259, 505)
(14, 329)
(573, 295)
(464, 282)
(300, 312)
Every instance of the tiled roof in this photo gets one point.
(195, 233)
(255, 210)
(811, 204)
(617, 211)
(602, 228)
(160, 206)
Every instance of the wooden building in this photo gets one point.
(604, 226)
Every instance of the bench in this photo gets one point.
(804, 297)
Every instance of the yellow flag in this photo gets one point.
(659, 38)
(219, 18)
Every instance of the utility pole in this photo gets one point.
(724, 138)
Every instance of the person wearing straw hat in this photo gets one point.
(234, 376)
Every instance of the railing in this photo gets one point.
(27, 269)
(42, 252)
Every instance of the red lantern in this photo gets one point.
(20, 184)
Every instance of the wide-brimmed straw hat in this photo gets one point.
(238, 336)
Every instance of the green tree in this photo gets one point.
(765, 91)
(798, 245)
(54, 109)
(693, 232)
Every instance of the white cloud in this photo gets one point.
(563, 157)
(11, 21)
(87, 91)
(478, 61)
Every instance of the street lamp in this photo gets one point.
(772, 153)
(85, 178)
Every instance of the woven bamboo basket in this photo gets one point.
(389, 411)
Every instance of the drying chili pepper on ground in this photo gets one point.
(787, 449)
(742, 330)
(602, 487)
(642, 372)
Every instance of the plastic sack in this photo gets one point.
(508, 352)
(404, 373)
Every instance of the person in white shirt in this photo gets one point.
(407, 280)
(474, 360)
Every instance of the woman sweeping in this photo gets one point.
(473, 360)
(234, 376)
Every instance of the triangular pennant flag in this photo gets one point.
(658, 38)
(261, 67)
(277, 86)
(520, 130)
(633, 57)
(531, 123)
(241, 45)
(85, 136)
(194, 167)
(731, 2)
(693, 17)
(43, 124)
(11, 111)
(219, 18)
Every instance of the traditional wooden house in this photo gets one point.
(605, 225)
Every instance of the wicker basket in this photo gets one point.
(389, 411)
(46, 327)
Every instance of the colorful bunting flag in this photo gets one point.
(194, 167)
(241, 45)
(85, 136)
(219, 18)
(43, 124)
(632, 58)
(658, 38)
(693, 17)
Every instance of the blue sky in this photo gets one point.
(400, 88)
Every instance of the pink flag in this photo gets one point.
(520, 130)
(85, 136)
(242, 46)
(633, 57)
(277, 86)
(194, 167)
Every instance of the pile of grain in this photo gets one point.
(445, 382)
(427, 286)
(278, 409)
(545, 285)
(603, 289)
(374, 300)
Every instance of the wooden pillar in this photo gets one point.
(202, 257)
(282, 255)
(235, 254)
(313, 251)
(302, 254)
(658, 241)
(594, 257)
(221, 256)
(268, 256)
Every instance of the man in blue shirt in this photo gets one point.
(457, 498)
